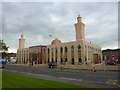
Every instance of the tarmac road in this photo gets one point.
(100, 77)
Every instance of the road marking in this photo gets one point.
(113, 82)
(79, 79)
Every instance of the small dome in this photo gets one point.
(56, 41)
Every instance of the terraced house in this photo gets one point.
(79, 52)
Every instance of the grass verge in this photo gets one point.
(12, 80)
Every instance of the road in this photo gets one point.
(106, 77)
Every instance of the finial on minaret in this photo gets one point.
(79, 18)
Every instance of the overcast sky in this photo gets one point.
(38, 20)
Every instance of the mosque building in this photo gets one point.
(79, 52)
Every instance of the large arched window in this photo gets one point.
(79, 48)
(56, 50)
(48, 50)
(72, 49)
(61, 49)
(65, 49)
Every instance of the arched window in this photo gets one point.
(61, 49)
(56, 50)
(48, 50)
(52, 50)
(79, 48)
(65, 49)
(72, 49)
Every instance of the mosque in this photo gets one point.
(79, 52)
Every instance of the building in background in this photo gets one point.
(79, 52)
(111, 55)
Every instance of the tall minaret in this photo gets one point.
(79, 26)
(21, 41)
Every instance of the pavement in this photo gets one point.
(99, 79)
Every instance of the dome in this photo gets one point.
(56, 41)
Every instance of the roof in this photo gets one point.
(56, 41)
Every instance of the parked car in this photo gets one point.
(111, 63)
(2, 63)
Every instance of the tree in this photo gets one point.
(3, 49)
(3, 46)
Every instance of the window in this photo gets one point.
(24, 60)
(48, 60)
(113, 57)
(41, 50)
(61, 49)
(61, 61)
(65, 59)
(52, 50)
(56, 60)
(89, 48)
(72, 49)
(44, 50)
(79, 48)
(79, 61)
(72, 61)
(48, 50)
(35, 61)
(65, 49)
(52, 60)
(56, 50)
(92, 49)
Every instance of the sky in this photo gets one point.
(38, 20)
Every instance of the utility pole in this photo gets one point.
(52, 36)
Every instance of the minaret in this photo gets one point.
(79, 26)
(21, 41)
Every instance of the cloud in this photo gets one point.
(12, 50)
(39, 20)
